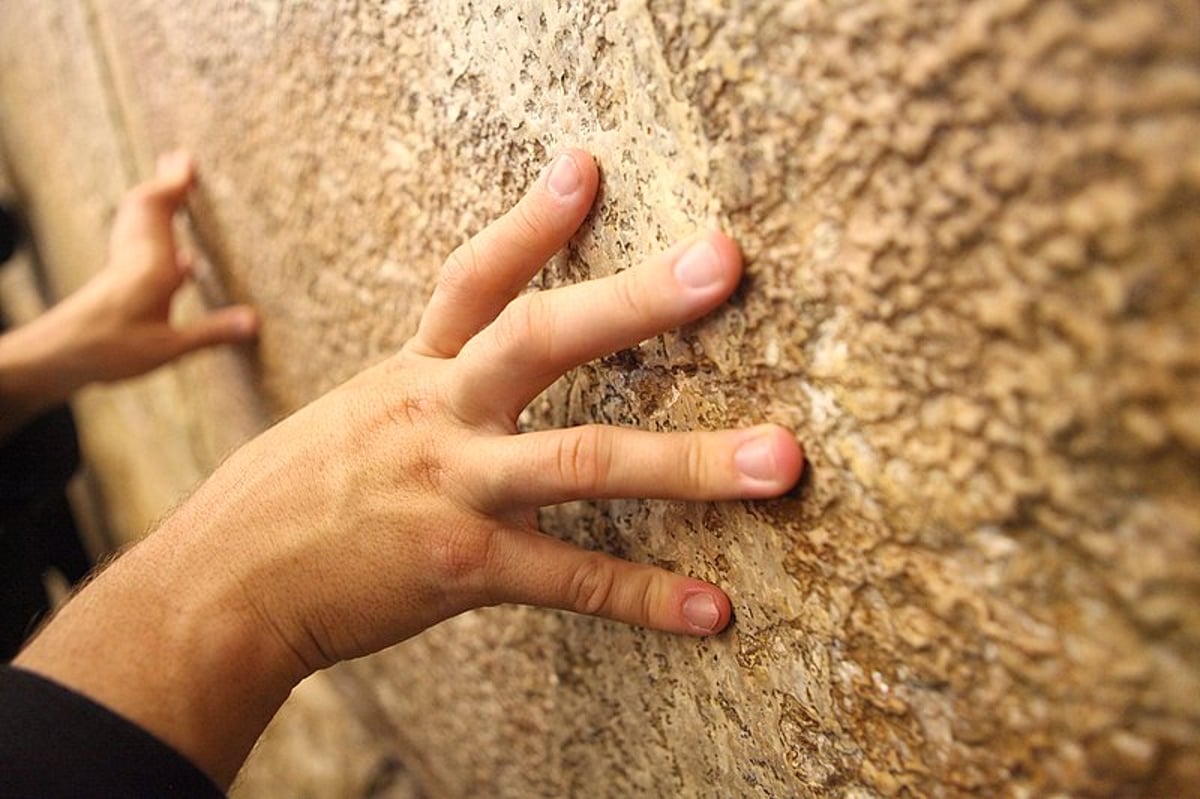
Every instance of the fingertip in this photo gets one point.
(704, 609)
(728, 251)
(571, 176)
(244, 321)
(233, 325)
(176, 167)
(585, 161)
(707, 267)
(789, 456)
(768, 459)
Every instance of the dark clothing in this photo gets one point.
(12, 232)
(37, 529)
(56, 743)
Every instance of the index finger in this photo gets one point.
(482, 275)
(150, 206)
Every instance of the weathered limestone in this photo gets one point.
(972, 289)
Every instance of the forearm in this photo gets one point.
(168, 637)
(41, 364)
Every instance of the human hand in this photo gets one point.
(118, 324)
(123, 314)
(407, 495)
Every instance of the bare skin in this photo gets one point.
(407, 496)
(118, 325)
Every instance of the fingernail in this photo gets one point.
(172, 162)
(756, 458)
(564, 176)
(700, 609)
(247, 322)
(699, 267)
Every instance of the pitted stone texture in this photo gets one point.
(972, 289)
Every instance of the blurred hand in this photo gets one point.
(118, 325)
(124, 311)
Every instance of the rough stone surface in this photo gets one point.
(971, 232)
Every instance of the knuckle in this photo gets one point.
(522, 329)
(380, 421)
(405, 411)
(528, 222)
(515, 323)
(426, 470)
(591, 587)
(461, 269)
(695, 462)
(627, 292)
(645, 597)
(462, 558)
(385, 406)
(584, 458)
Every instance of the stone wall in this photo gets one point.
(971, 232)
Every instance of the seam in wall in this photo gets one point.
(117, 109)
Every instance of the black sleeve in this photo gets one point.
(57, 743)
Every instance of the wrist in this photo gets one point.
(44, 361)
(168, 637)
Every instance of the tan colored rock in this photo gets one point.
(972, 289)
(315, 747)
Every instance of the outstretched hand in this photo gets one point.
(407, 495)
(424, 503)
